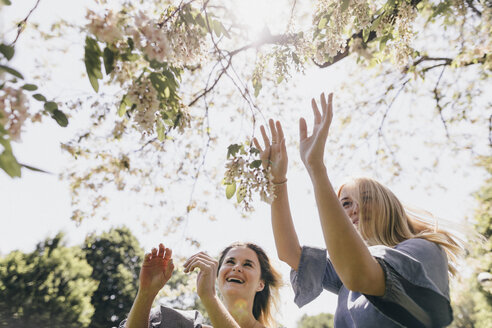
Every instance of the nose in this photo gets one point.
(237, 268)
(355, 208)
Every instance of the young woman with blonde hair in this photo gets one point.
(247, 282)
(387, 268)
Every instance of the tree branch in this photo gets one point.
(437, 97)
(22, 24)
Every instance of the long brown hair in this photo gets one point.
(265, 300)
(385, 221)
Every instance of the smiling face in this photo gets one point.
(240, 273)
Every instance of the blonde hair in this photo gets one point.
(266, 300)
(385, 221)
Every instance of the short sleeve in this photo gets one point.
(314, 273)
(416, 278)
(165, 317)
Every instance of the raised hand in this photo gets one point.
(312, 147)
(205, 283)
(156, 270)
(275, 154)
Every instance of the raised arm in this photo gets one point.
(356, 267)
(156, 270)
(275, 156)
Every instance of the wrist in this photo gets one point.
(315, 169)
(279, 181)
(146, 295)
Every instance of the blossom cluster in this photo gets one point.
(247, 174)
(144, 96)
(358, 14)
(13, 111)
(174, 42)
(178, 44)
(400, 48)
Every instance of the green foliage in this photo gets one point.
(472, 300)
(322, 320)
(50, 287)
(11, 71)
(115, 257)
(93, 62)
(8, 162)
(7, 51)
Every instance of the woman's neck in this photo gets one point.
(242, 311)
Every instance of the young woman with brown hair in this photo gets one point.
(246, 281)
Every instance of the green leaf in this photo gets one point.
(280, 78)
(322, 22)
(29, 87)
(2, 85)
(231, 190)
(7, 51)
(8, 163)
(60, 118)
(345, 4)
(6, 2)
(32, 168)
(232, 150)
(224, 31)
(161, 131)
(257, 85)
(365, 34)
(108, 57)
(123, 106)
(216, 27)
(239, 194)
(255, 164)
(159, 82)
(384, 39)
(92, 59)
(39, 97)
(11, 71)
(50, 106)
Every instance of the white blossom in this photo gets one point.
(13, 111)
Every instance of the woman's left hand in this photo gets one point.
(312, 147)
(205, 282)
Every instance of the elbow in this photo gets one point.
(292, 258)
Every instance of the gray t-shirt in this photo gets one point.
(416, 295)
(165, 317)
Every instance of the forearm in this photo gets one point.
(350, 256)
(218, 314)
(286, 240)
(139, 314)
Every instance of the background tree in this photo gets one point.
(50, 287)
(115, 257)
(322, 320)
(472, 295)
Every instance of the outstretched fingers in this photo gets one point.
(317, 115)
(274, 131)
(302, 128)
(265, 137)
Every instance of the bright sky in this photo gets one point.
(38, 205)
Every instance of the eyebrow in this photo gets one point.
(233, 258)
(344, 198)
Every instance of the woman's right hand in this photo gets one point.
(156, 270)
(205, 283)
(274, 155)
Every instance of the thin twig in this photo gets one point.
(20, 26)
(437, 97)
